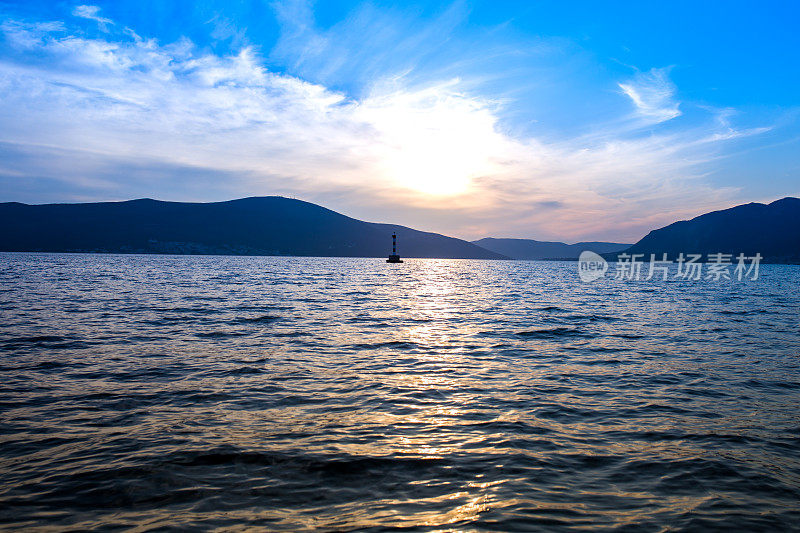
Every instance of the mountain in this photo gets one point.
(530, 249)
(270, 225)
(773, 230)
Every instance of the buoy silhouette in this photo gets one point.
(394, 258)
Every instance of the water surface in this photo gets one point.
(296, 394)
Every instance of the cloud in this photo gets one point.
(368, 44)
(227, 30)
(125, 117)
(652, 93)
(92, 13)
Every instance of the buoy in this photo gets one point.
(394, 258)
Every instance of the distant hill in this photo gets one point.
(270, 225)
(773, 230)
(530, 249)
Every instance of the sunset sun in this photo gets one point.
(434, 141)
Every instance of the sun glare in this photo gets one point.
(438, 163)
(434, 141)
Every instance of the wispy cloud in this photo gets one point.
(367, 45)
(653, 95)
(121, 117)
(92, 13)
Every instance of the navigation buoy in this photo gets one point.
(394, 258)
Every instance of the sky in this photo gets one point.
(549, 120)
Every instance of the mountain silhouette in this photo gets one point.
(270, 225)
(530, 249)
(773, 230)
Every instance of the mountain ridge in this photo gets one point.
(531, 250)
(772, 230)
(260, 225)
(275, 225)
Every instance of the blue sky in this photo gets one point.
(548, 120)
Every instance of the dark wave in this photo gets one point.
(263, 319)
(400, 345)
(220, 334)
(55, 342)
(549, 333)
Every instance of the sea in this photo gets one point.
(159, 393)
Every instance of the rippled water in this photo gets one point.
(343, 394)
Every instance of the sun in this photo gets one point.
(434, 142)
(439, 165)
